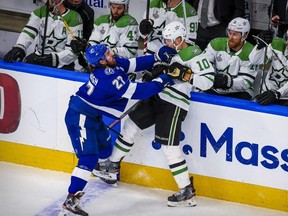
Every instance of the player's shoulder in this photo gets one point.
(102, 19)
(73, 18)
(126, 20)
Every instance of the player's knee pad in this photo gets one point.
(172, 153)
(129, 131)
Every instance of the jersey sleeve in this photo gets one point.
(203, 72)
(32, 28)
(136, 64)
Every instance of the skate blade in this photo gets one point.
(187, 203)
(65, 212)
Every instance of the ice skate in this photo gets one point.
(108, 172)
(183, 198)
(71, 205)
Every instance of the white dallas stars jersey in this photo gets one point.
(236, 64)
(277, 76)
(162, 16)
(202, 78)
(122, 35)
(57, 36)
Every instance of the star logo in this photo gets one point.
(157, 32)
(225, 70)
(52, 41)
(107, 42)
(279, 77)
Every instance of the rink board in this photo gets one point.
(236, 150)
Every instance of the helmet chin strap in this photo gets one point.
(176, 46)
(54, 5)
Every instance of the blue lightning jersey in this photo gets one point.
(109, 89)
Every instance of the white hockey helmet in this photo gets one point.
(240, 24)
(174, 30)
(122, 2)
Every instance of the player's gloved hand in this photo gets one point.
(268, 97)
(266, 36)
(164, 79)
(222, 80)
(165, 54)
(158, 68)
(78, 45)
(15, 54)
(51, 60)
(180, 72)
(132, 76)
(146, 26)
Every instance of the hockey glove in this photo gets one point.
(132, 77)
(146, 26)
(51, 60)
(165, 54)
(223, 81)
(158, 68)
(15, 54)
(268, 97)
(78, 45)
(180, 72)
(266, 36)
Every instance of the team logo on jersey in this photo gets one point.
(109, 71)
(93, 79)
(219, 58)
(279, 77)
(156, 15)
(102, 31)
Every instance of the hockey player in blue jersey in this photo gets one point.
(107, 92)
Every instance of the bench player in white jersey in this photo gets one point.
(117, 30)
(107, 92)
(57, 51)
(274, 87)
(230, 56)
(167, 110)
(163, 12)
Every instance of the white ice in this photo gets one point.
(29, 191)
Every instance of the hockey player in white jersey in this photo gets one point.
(107, 92)
(234, 73)
(167, 111)
(274, 88)
(56, 51)
(163, 12)
(117, 30)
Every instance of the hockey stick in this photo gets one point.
(274, 53)
(70, 32)
(146, 37)
(132, 108)
(265, 70)
(63, 20)
(45, 28)
(184, 13)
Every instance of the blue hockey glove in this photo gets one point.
(165, 79)
(165, 54)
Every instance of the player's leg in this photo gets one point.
(85, 145)
(167, 133)
(139, 119)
